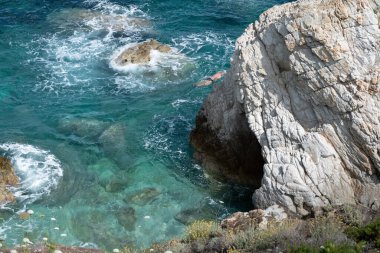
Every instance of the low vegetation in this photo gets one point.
(345, 231)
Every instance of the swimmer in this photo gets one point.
(211, 79)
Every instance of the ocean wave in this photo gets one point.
(162, 69)
(73, 58)
(165, 138)
(172, 61)
(206, 46)
(39, 171)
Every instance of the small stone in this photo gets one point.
(52, 219)
(147, 217)
(56, 228)
(45, 239)
(30, 212)
(13, 251)
(168, 251)
(115, 250)
(63, 235)
(57, 251)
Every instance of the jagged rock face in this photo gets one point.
(306, 76)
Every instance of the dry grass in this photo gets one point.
(321, 234)
(201, 230)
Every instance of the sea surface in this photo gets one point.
(102, 151)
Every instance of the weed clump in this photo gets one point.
(368, 234)
(201, 230)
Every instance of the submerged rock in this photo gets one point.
(98, 227)
(95, 20)
(303, 93)
(144, 196)
(82, 127)
(141, 53)
(127, 218)
(203, 212)
(188, 216)
(114, 182)
(112, 140)
(7, 178)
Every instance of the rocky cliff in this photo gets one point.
(298, 114)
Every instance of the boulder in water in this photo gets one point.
(112, 140)
(95, 225)
(7, 174)
(116, 183)
(144, 196)
(7, 178)
(141, 53)
(127, 218)
(82, 127)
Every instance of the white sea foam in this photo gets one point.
(162, 69)
(208, 47)
(71, 58)
(39, 171)
(163, 136)
(172, 61)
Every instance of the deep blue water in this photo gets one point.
(103, 153)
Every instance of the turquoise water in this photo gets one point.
(102, 152)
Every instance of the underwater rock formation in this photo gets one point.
(143, 196)
(95, 20)
(304, 87)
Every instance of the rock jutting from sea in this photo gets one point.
(8, 179)
(298, 113)
(141, 53)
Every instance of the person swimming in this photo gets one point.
(211, 79)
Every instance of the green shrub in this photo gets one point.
(369, 233)
(201, 230)
(329, 248)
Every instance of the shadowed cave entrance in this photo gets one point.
(236, 160)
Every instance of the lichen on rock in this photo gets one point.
(305, 80)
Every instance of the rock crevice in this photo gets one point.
(305, 85)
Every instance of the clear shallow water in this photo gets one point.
(103, 154)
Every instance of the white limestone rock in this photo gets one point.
(306, 76)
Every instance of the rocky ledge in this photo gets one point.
(298, 114)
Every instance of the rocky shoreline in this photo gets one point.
(304, 89)
(297, 118)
